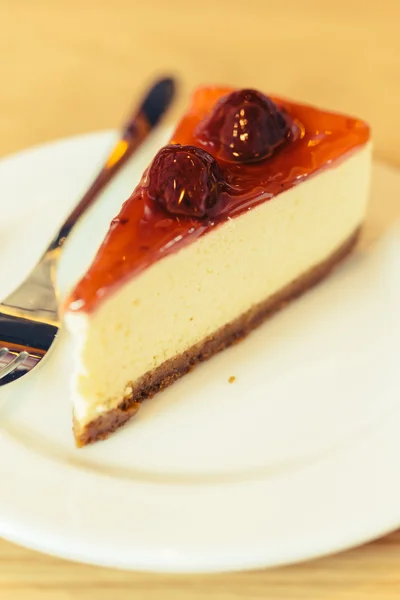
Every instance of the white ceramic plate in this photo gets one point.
(299, 457)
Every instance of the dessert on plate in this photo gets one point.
(254, 200)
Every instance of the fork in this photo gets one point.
(30, 317)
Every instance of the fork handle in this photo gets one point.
(133, 134)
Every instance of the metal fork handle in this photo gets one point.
(134, 132)
(30, 314)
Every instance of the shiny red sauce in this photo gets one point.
(143, 232)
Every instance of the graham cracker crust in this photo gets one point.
(155, 381)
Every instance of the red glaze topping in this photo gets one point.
(175, 204)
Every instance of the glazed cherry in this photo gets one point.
(186, 181)
(245, 126)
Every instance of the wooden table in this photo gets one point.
(71, 67)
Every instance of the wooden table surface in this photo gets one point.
(73, 66)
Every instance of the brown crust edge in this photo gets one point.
(155, 381)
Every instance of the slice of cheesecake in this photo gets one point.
(254, 201)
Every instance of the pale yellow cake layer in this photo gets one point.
(190, 294)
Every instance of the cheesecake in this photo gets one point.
(254, 200)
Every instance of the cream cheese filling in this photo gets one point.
(189, 295)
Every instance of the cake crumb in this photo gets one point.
(128, 391)
(231, 379)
